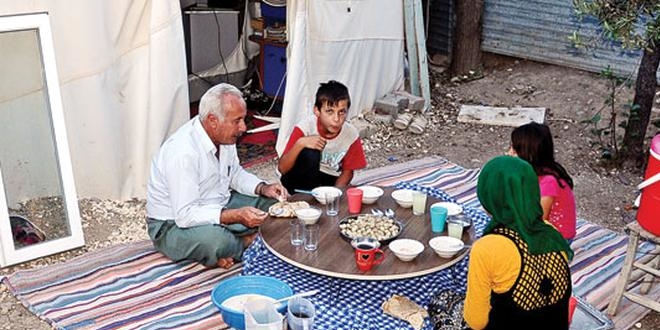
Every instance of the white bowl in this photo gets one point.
(406, 249)
(319, 192)
(309, 215)
(404, 197)
(370, 194)
(452, 208)
(446, 246)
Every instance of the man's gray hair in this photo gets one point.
(212, 101)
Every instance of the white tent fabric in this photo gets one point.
(359, 43)
(123, 82)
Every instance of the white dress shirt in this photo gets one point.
(188, 184)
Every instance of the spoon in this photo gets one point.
(377, 212)
(388, 213)
(465, 246)
(302, 294)
(309, 192)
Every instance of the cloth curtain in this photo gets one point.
(359, 43)
(122, 73)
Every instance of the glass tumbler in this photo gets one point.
(296, 231)
(311, 234)
(419, 203)
(332, 203)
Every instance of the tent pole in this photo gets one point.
(411, 47)
(421, 54)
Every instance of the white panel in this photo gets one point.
(39, 114)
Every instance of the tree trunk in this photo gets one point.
(466, 53)
(632, 147)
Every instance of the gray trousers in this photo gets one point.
(207, 243)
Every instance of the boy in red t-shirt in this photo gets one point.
(323, 150)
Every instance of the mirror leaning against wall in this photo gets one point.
(39, 212)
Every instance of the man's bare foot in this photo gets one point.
(225, 263)
(248, 239)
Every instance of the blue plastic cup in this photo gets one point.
(438, 218)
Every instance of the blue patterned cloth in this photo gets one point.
(356, 304)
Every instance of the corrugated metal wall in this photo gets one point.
(539, 30)
(536, 30)
(441, 26)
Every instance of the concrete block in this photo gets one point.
(383, 112)
(391, 104)
(415, 103)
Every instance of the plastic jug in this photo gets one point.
(260, 314)
(648, 214)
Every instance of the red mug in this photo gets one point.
(367, 253)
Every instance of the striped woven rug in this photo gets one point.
(595, 269)
(129, 286)
(132, 286)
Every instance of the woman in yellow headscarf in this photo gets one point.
(518, 275)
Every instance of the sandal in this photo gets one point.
(403, 120)
(418, 124)
(24, 231)
(446, 310)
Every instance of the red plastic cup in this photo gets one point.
(572, 303)
(354, 197)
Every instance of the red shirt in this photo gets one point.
(352, 159)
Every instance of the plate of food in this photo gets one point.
(379, 227)
(286, 209)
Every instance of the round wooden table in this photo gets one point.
(335, 256)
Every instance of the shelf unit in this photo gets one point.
(272, 63)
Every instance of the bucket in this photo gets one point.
(648, 214)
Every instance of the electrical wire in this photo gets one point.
(217, 24)
(261, 80)
(276, 94)
(210, 83)
(275, 3)
(428, 15)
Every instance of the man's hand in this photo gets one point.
(248, 216)
(312, 142)
(275, 191)
(252, 216)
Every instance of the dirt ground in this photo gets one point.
(604, 194)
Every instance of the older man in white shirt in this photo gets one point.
(201, 204)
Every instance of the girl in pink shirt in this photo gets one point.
(533, 143)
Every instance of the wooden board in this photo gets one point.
(500, 116)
